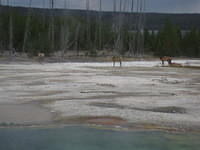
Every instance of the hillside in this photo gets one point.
(154, 21)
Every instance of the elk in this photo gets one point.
(117, 59)
(166, 58)
(169, 60)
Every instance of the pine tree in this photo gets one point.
(169, 40)
(191, 43)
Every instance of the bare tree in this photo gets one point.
(88, 24)
(140, 28)
(0, 26)
(76, 38)
(27, 26)
(10, 46)
(64, 29)
(100, 24)
(52, 25)
(131, 28)
(114, 20)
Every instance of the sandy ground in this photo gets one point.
(141, 92)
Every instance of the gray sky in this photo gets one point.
(169, 6)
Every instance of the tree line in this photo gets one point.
(172, 41)
(33, 34)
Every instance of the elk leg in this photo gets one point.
(113, 63)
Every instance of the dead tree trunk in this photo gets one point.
(52, 25)
(88, 38)
(27, 26)
(100, 24)
(10, 46)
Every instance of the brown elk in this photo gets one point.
(166, 58)
(117, 59)
(169, 60)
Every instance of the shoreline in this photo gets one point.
(129, 127)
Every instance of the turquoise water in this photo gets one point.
(85, 138)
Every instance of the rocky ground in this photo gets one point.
(139, 93)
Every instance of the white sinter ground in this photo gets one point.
(98, 89)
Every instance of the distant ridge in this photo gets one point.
(154, 21)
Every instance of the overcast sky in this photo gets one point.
(169, 6)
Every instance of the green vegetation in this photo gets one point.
(170, 41)
(73, 31)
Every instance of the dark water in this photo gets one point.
(85, 138)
